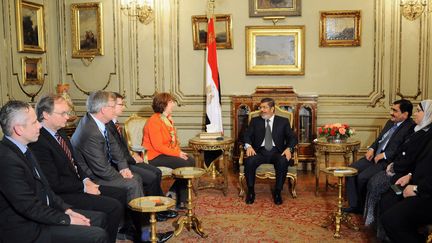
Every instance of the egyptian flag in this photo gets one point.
(213, 101)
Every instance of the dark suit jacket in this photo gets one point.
(396, 139)
(422, 172)
(56, 165)
(22, 213)
(91, 151)
(282, 134)
(121, 141)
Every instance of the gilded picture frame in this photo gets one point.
(223, 31)
(30, 27)
(265, 8)
(275, 50)
(87, 30)
(32, 71)
(340, 28)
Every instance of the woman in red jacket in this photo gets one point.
(161, 142)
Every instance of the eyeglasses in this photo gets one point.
(63, 114)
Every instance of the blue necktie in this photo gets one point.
(383, 143)
(108, 145)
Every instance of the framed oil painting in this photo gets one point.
(32, 71)
(340, 28)
(30, 27)
(223, 29)
(87, 30)
(263, 8)
(275, 50)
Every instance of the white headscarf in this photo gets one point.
(426, 105)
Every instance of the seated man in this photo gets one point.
(56, 157)
(403, 215)
(150, 175)
(268, 139)
(29, 209)
(376, 159)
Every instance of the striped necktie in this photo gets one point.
(119, 129)
(107, 145)
(385, 139)
(67, 151)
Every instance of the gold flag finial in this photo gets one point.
(210, 8)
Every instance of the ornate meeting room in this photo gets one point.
(215, 121)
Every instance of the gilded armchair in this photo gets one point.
(267, 171)
(134, 128)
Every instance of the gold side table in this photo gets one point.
(340, 217)
(348, 148)
(190, 221)
(200, 145)
(152, 205)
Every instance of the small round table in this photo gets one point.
(339, 217)
(152, 205)
(226, 145)
(189, 220)
(348, 148)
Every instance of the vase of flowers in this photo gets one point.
(336, 132)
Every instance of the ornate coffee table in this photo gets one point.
(339, 217)
(190, 221)
(152, 205)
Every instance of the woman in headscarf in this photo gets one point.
(403, 163)
(162, 145)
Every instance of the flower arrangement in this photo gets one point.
(336, 131)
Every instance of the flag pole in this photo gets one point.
(210, 8)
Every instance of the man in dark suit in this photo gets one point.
(151, 176)
(379, 153)
(268, 139)
(29, 210)
(56, 157)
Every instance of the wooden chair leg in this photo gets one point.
(241, 185)
(292, 184)
(429, 239)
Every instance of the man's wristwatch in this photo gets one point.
(415, 189)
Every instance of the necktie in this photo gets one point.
(42, 196)
(119, 129)
(107, 145)
(386, 137)
(268, 144)
(67, 151)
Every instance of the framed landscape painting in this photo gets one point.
(340, 28)
(32, 71)
(87, 30)
(263, 8)
(30, 27)
(223, 29)
(275, 50)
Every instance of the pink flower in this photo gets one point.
(342, 130)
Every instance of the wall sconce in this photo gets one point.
(141, 9)
(412, 9)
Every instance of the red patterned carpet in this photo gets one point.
(229, 219)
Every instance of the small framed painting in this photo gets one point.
(32, 71)
(340, 28)
(30, 27)
(275, 50)
(265, 8)
(223, 31)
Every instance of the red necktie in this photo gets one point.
(119, 129)
(67, 151)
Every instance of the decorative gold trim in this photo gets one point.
(38, 10)
(291, 65)
(78, 51)
(225, 18)
(340, 38)
(32, 71)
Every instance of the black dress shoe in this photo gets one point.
(250, 198)
(277, 198)
(126, 233)
(354, 210)
(160, 217)
(169, 214)
(163, 237)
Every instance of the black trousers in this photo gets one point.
(113, 208)
(402, 217)
(151, 178)
(356, 185)
(263, 156)
(180, 185)
(77, 233)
